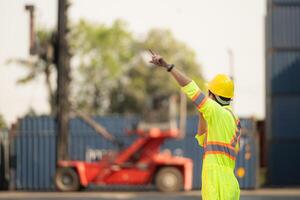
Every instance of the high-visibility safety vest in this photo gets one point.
(221, 141)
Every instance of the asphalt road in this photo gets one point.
(293, 194)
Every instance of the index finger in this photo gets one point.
(151, 52)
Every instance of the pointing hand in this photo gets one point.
(158, 60)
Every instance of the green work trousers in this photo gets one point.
(219, 183)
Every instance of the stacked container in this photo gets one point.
(283, 91)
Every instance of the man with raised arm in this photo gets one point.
(218, 131)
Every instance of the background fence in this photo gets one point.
(33, 151)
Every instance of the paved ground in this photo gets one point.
(265, 194)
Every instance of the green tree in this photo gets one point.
(111, 69)
(114, 73)
(148, 90)
(2, 122)
(104, 55)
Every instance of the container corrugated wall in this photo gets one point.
(284, 27)
(284, 70)
(34, 149)
(284, 2)
(34, 153)
(247, 165)
(285, 117)
(283, 91)
(284, 159)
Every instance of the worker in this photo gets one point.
(219, 134)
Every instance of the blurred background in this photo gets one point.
(72, 69)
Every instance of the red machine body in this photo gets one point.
(139, 164)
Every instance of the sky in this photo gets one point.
(210, 27)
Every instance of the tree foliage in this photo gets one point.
(115, 76)
(2, 122)
(105, 53)
(111, 73)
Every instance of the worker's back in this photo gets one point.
(221, 144)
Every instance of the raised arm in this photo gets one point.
(179, 76)
(188, 86)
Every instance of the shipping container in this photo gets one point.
(247, 165)
(283, 69)
(283, 26)
(284, 120)
(283, 162)
(282, 90)
(284, 2)
(34, 149)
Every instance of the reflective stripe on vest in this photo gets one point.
(199, 99)
(237, 134)
(220, 149)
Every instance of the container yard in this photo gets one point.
(150, 100)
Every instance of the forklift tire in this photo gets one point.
(169, 179)
(67, 180)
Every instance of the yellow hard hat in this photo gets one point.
(222, 85)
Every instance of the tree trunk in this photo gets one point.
(63, 82)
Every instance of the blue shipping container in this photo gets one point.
(284, 69)
(284, 119)
(247, 164)
(284, 2)
(283, 26)
(34, 149)
(283, 162)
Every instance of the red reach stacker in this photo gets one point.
(141, 163)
